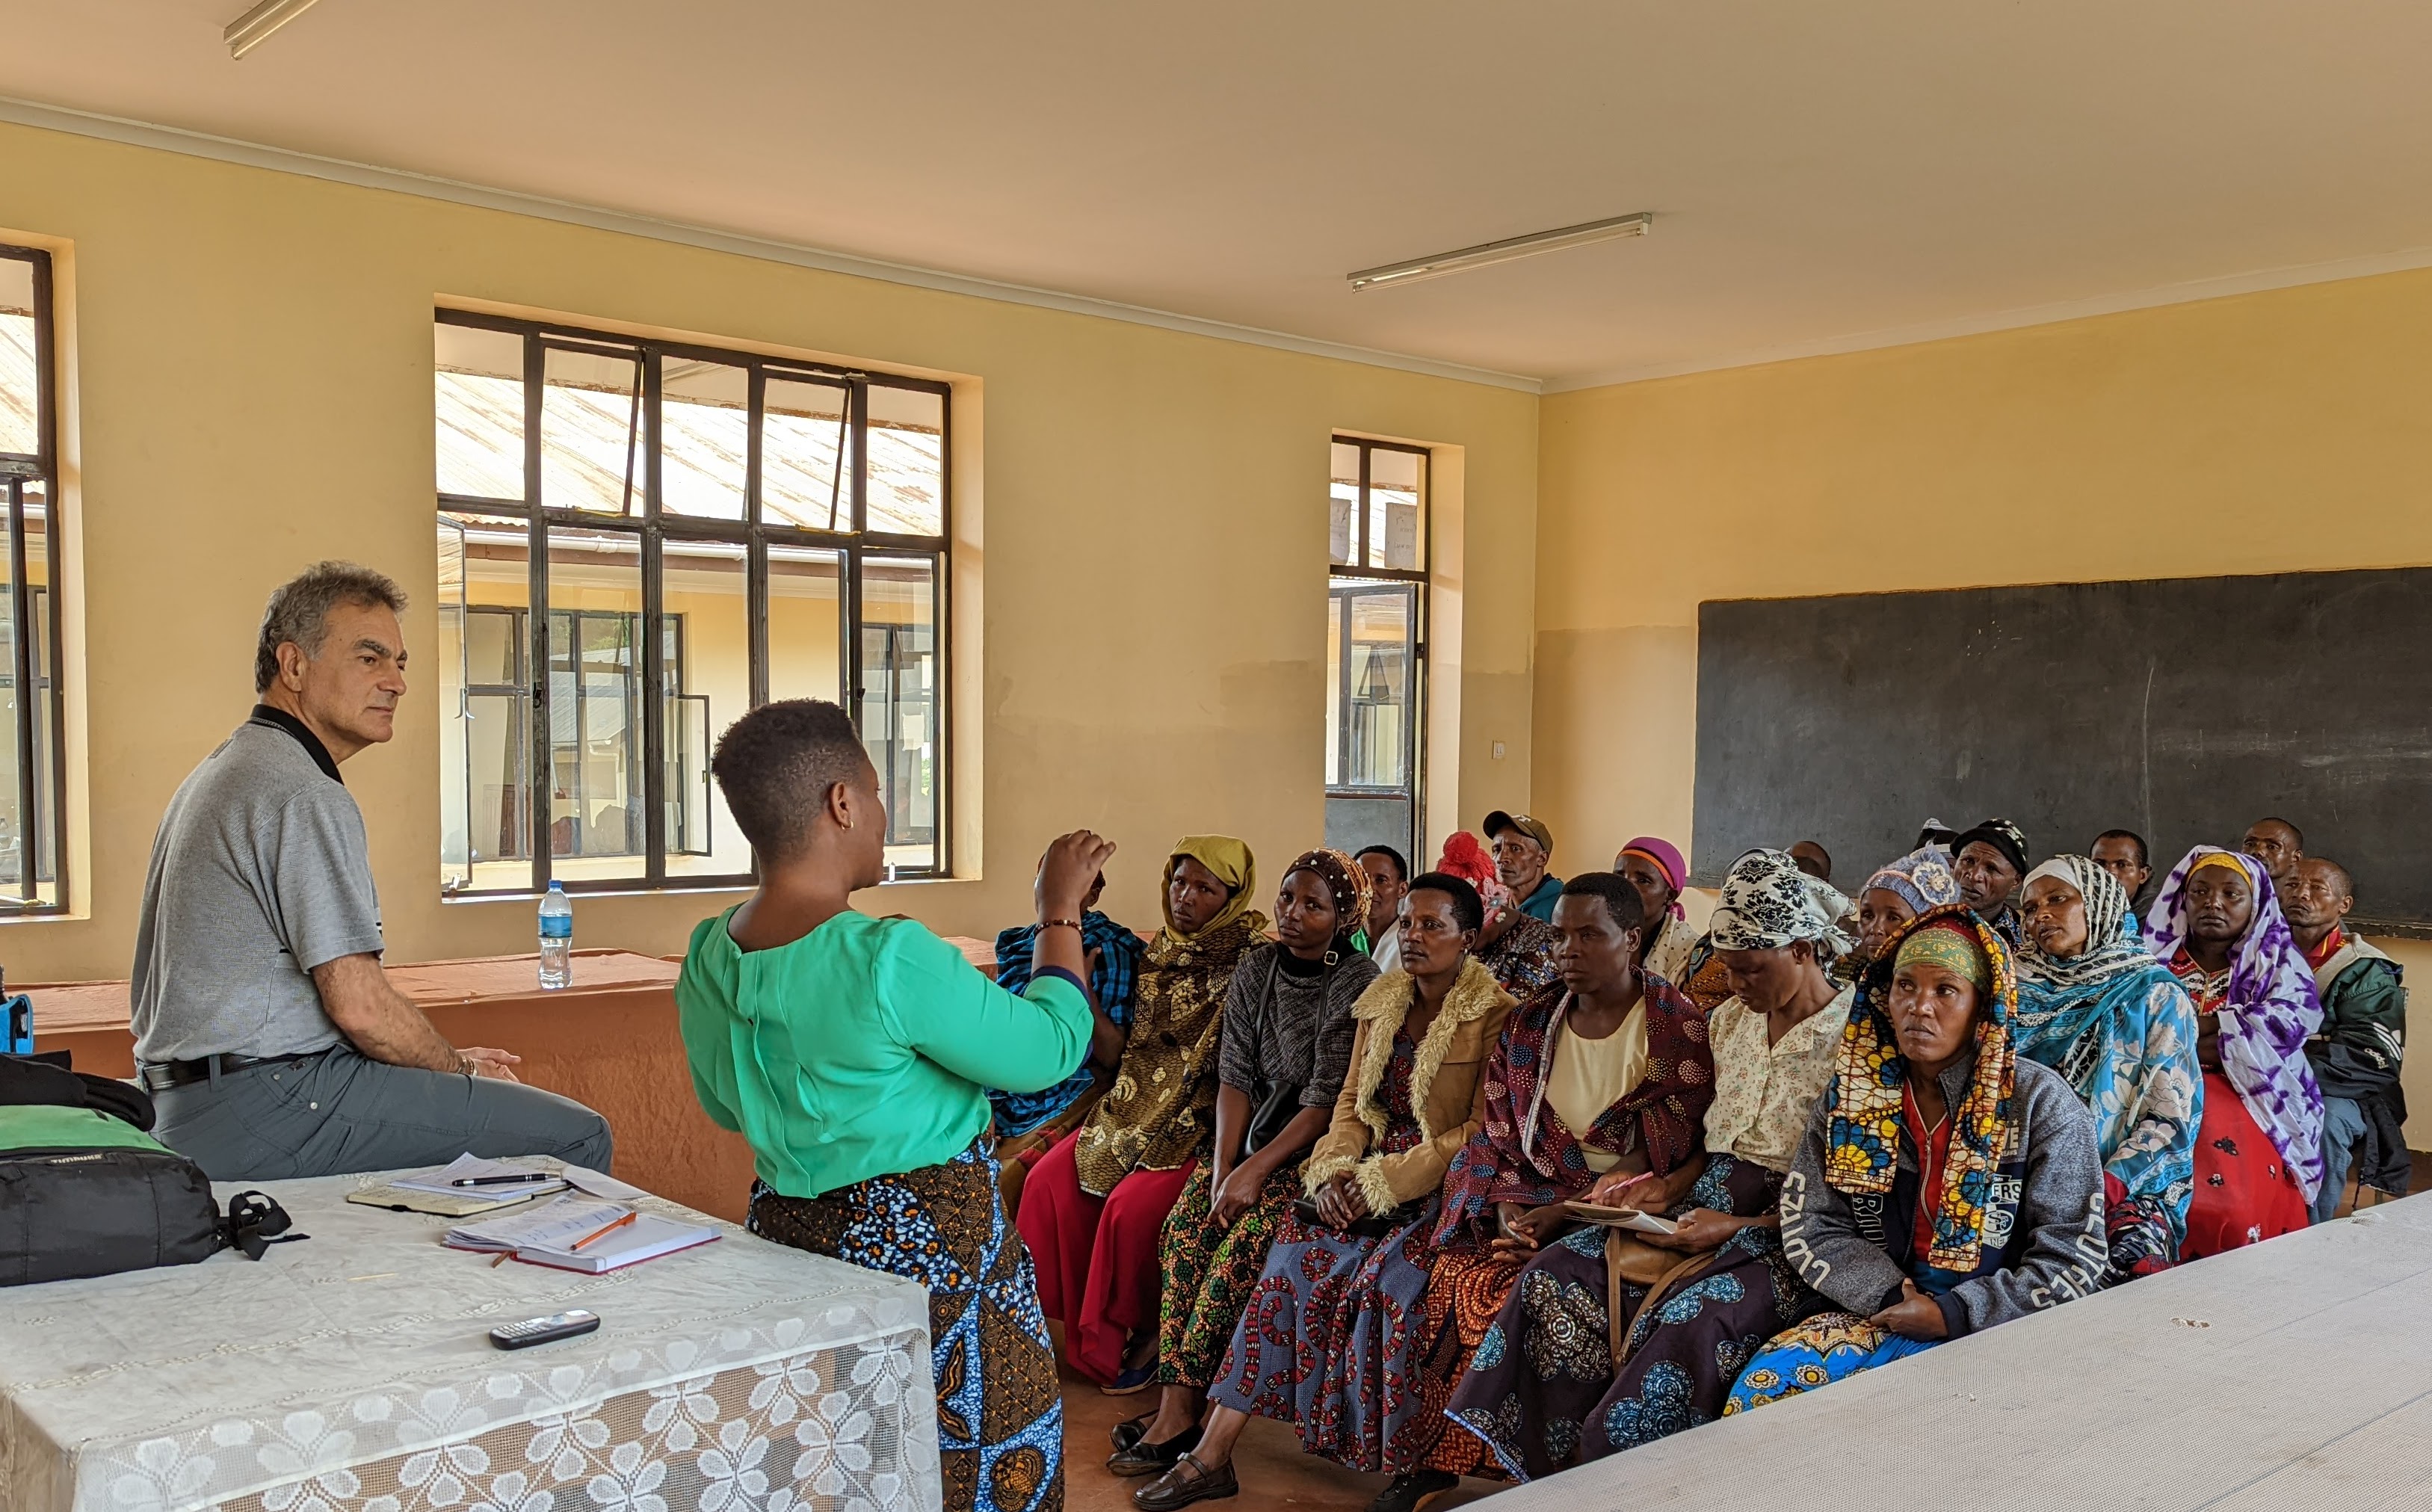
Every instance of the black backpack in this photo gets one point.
(85, 1190)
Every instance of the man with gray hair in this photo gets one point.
(264, 1028)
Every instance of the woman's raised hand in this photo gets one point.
(1068, 871)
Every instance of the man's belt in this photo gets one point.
(160, 1076)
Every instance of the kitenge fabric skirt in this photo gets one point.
(1000, 1419)
(1827, 1348)
(1543, 1391)
(1208, 1273)
(1466, 1291)
(1335, 1340)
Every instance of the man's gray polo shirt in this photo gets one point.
(261, 871)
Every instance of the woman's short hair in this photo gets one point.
(776, 766)
(1627, 909)
(1468, 910)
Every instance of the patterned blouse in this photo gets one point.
(1765, 1093)
(1522, 958)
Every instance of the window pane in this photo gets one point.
(907, 462)
(708, 687)
(1376, 701)
(1334, 690)
(1342, 505)
(705, 437)
(487, 730)
(804, 475)
(805, 612)
(15, 822)
(43, 708)
(479, 380)
(595, 812)
(21, 420)
(591, 433)
(1394, 509)
(900, 694)
(455, 824)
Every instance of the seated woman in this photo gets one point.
(2217, 926)
(1899, 891)
(1610, 1341)
(1092, 1207)
(1287, 1046)
(851, 1051)
(1655, 868)
(1333, 1338)
(1945, 1185)
(1515, 948)
(1607, 1076)
(1029, 1124)
(2096, 1006)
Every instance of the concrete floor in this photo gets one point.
(1273, 1470)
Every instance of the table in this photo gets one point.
(353, 1372)
(2286, 1376)
(610, 1041)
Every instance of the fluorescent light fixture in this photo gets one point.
(1418, 269)
(250, 30)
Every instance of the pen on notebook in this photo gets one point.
(516, 1179)
(603, 1231)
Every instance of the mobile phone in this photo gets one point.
(547, 1329)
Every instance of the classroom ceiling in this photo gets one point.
(1823, 176)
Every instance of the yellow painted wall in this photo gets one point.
(2280, 432)
(252, 365)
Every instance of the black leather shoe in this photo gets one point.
(1188, 1481)
(1144, 1458)
(1406, 1490)
(1130, 1430)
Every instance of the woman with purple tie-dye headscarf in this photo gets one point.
(2217, 925)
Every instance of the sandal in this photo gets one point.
(1144, 1458)
(1188, 1481)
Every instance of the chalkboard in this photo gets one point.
(2183, 708)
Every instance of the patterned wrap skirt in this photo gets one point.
(1000, 1419)
(2245, 1192)
(1209, 1273)
(1335, 1340)
(1543, 1391)
(1827, 1348)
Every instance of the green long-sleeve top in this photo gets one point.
(861, 1049)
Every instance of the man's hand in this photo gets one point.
(385, 1025)
(486, 1062)
(1915, 1316)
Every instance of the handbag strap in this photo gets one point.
(1620, 1331)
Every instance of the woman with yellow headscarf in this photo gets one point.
(1090, 1213)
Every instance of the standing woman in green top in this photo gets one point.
(851, 1051)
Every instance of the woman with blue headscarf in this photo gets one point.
(2095, 1005)
(2217, 926)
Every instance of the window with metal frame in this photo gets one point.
(639, 540)
(33, 784)
(1375, 642)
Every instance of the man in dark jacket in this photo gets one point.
(2363, 1037)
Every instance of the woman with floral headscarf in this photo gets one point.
(1285, 1048)
(1948, 1185)
(1601, 1345)
(2217, 926)
(2096, 1006)
(1092, 1210)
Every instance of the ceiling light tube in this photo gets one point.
(250, 30)
(1419, 269)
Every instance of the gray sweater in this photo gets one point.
(1284, 1029)
(2044, 1239)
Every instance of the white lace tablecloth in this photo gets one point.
(353, 1372)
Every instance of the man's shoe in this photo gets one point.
(1408, 1490)
(1188, 1481)
(1144, 1458)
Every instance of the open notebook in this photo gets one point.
(549, 1235)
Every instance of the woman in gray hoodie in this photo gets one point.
(1944, 1184)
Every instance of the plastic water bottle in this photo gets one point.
(556, 937)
